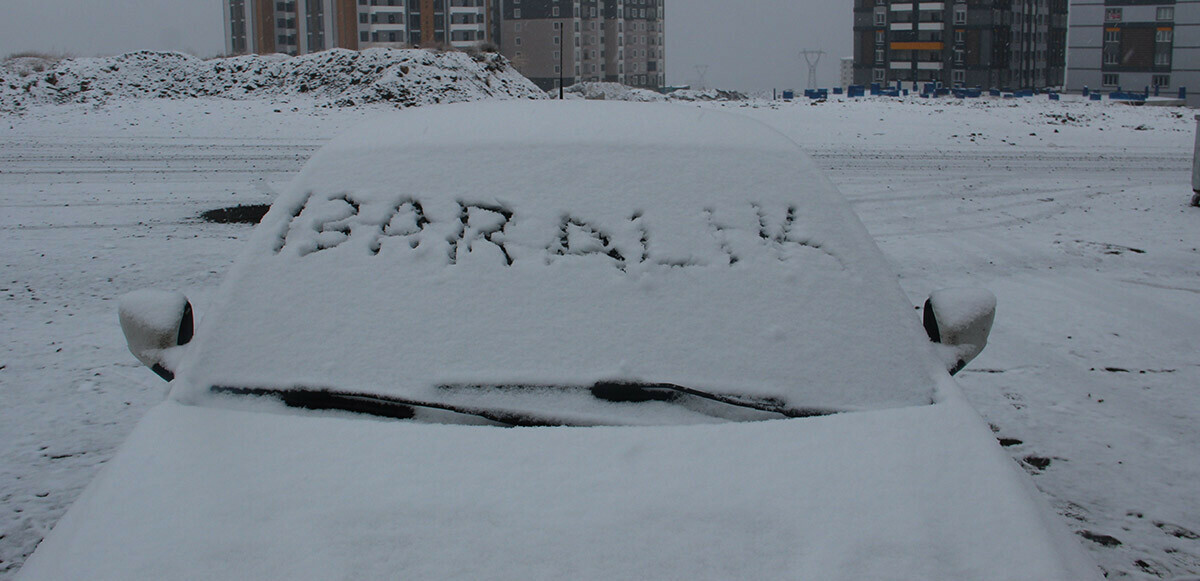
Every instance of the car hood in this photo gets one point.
(913, 493)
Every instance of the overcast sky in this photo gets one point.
(746, 44)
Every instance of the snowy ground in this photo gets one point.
(1073, 213)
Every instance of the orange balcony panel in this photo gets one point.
(918, 45)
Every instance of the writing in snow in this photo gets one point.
(456, 229)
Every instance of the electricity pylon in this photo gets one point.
(812, 57)
(701, 70)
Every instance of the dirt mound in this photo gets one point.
(336, 77)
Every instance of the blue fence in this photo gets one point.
(935, 90)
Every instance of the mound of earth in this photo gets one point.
(336, 77)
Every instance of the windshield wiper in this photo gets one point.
(610, 390)
(391, 406)
(633, 391)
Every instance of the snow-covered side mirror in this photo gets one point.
(960, 319)
(155, 321)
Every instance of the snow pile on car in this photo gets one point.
(336, 77)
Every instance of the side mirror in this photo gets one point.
(153, 322)
(960, 319)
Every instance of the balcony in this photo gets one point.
(918, 45)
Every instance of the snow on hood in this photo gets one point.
(915, 493)
(565, 244)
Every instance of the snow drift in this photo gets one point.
(336, 77)
(597, 91)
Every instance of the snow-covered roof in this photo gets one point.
(564, 244)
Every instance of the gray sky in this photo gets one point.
(747, 44)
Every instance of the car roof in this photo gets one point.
(534, 243)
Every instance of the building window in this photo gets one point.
(1165, 13)
(516, 12)
(960, 14)
(1161, 80)
(881, 16)
(958, 56)
(879, 75)
(958, 76)
(1112, 55)
(1112, 15)
(880, 37)
(1162, 35)
(960, 36)
(879, 55)
(1162, 58)
(554, 12)
(1112, 35)
(1110, 80)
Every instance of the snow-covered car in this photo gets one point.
(560, 340)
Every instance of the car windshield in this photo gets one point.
(622, 265)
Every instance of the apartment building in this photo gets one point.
(1013, 44)
(304, 26)
(1134, 44)
(571, 41)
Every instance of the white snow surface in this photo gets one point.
(217, 494)
(958, 307)
(493, 244)
(152, 309)
(1073, 213)
(151, 320)
(336, 77)
(602, 91)
(605, 91)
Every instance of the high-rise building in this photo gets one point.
(303, 26)
(583, 40)
(1134, 44)
(1015, 44)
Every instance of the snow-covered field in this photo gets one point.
(1074, 213)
